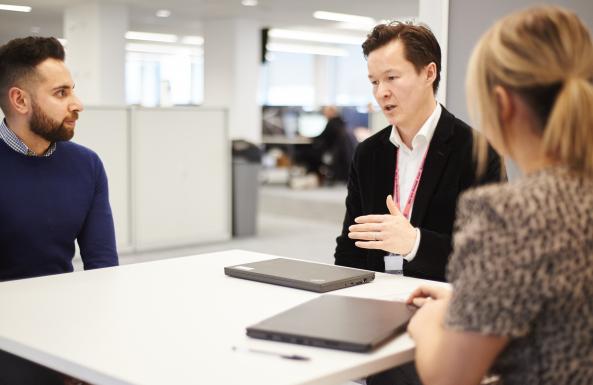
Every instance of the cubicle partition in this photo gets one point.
(169, 173)
(181, 179)
(106, 131)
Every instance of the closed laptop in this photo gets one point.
(337, 322)
(299, 274)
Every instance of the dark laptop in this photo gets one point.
(301, 274)
(336, 322)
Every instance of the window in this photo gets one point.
(164, 75)
(307, 79)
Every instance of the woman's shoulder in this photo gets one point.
(525, 197)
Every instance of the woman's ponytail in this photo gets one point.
(568, 135)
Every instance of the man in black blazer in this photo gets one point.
(448, 171)
(405, 180)
(434, 167)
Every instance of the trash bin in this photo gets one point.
(246, 166)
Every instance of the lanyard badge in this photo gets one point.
(408, 208)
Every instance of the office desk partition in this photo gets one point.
(156, 181)
(176, 321)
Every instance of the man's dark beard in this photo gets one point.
(47, 128)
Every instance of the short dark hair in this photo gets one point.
(18, 59)
(420, 46)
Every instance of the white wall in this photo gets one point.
(468, 20)
(96, 51)
(231, 74)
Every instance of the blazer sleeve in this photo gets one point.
(433, 253)
(347, 254)
(97, 236)
(494, 169)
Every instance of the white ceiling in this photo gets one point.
(187, 15)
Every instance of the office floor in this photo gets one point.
(278, 235)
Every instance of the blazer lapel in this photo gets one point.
(436, 160)
(385, 160)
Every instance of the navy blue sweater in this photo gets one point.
(46, 203)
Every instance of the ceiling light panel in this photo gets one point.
(15, 8)
(163, 13)
(192, 40)
(353, 19)
(290, 34)
(149, 36)
(306, 49)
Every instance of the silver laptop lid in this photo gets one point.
(301, 274)
(336, 322)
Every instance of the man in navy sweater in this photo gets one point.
(53, 192)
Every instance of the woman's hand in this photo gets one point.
(426, 293)
(430, 316)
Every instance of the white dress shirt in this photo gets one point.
(408, 164)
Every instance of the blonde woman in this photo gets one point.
(522, 265)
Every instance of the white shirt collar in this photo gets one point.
(424, 135)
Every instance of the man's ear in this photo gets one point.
(19, 100)
(431, 72)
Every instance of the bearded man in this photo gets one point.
(53, 192)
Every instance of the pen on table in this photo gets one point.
(296, 357)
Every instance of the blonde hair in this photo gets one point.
(545, 55)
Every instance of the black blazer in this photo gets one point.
(449, 169)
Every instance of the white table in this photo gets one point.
(175, 321)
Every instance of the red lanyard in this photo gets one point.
(412, 196)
